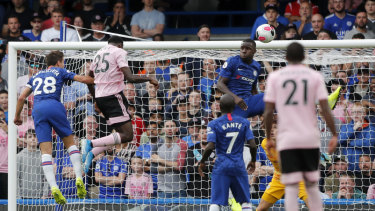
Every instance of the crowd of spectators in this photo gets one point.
(170, 124)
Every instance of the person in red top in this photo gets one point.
(292, 10)
(53, 4)
(138, 126)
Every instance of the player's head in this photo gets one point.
(116, 41)
(55, 58)
(248, 49)
(227, 103)
(295, 53)
(137, 164)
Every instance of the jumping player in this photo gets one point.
(110, 69)
(293, 91)
(228, 134)
(48, 113)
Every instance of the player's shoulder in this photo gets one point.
(350, 15)
(233, 59)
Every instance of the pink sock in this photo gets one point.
(109, 140)
(97, 150)
(291, 197)
(315, 202)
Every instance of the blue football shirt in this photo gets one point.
(229, 133)
(242, 76)
(47, 84)
(339, 26)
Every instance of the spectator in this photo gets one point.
(325, 132)
(208, 80)
(339, 166)
(3, 157)
(193, 132)
(360, 26)
(150, 95)
(4, 103)
(292, 10)
(138, 184)
(2, 17)
(340, 22)
(43, 9)
(271, 15)
(132, 98)
(170, 158)
(138, 126)
(148, 22)
(78, 21)
(119, 23)
(182, 92)
(182, 118)
(28, 122)
(20, 10)
(97, 23)
(369, 101)
(263, 19)
(370, 10)
(347, 189)
(3, 82)
(262, 83)
(163, 69)
(31, 181)
(35, 33)
(53, 34)
(204, 32)
(357, 137)
(154, 141)
(304, 24)
(53, 5)
(88, 12)
(291, 33)
(361, 87)
(317, 23)
(195, 105)
(110, 173)
(173, 84)
(366, 176)
(197, 186)
(158, 37)
(15, 30)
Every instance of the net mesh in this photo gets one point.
(191, 101)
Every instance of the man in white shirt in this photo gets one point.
(53, 34)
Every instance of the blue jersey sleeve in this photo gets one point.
(227, 69)
(249, 133)
(66, 74)
(211, 134)
(30, 83)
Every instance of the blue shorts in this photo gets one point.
(255, 106)
(220, 185)
(48, 114)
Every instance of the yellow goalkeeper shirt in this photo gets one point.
(273, 157)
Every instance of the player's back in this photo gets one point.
(273, 157)
(295, 90)
(229, 134)
(106, 66)
(47, 84)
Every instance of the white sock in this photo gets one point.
(48, 170)
(214, 207)
(315, 202)
(291, 197)
(246, 206)
(75, 157)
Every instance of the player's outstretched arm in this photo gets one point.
(21, 101)
(268, 119)
(84, 79)
(207, 152)
(253, 151)
(130, 77)
(326, 113)
(222, 86)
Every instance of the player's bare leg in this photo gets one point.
(264, 205)
(49, 173)
(75, 157)
(90, 149)
(314, 200)
(291, 200)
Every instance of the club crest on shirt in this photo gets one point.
(225, 64)
(115, 168)
(349, 23)
(255, 73)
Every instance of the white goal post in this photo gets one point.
(166, 45)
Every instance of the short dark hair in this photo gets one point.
(358, 36)
(30, 131)
(53, 57)
(148, 123)
(339, 82)
(13, 16)
(158, 35)
(58, 10)
(325, 31)
(115, 40)
(295, 52)
(3, 92)
(204, 26)
(250, 41)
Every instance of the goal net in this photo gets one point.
(130, 176)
